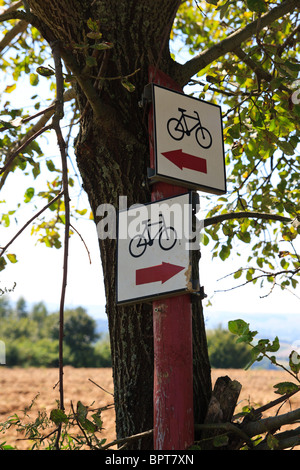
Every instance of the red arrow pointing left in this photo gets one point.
(162, 272)
(185, 160)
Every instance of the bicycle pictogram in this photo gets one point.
(167, 237)
(178, 127)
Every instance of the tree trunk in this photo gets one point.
(112, 151)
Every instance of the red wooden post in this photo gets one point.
(172, 327)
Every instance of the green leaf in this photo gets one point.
(50, 165)
(93, 25)
(272, 442)
(4, 446)
(6, 220)
(244, 236)
(34, 79)
(3, 263)
(45, 71)
(286, 147)
(10, 88)
(294, 362)
(225, 252)
(103, 46)
(94, 35)
(36, 169)
(29, 193)
(89, 426)
(81, 212)
(12, 258)
(259, 6)
(274, 347)
(285, 387)
(97, 419)
(128, 85)
(81, 46)
(294, 66)
(58, 417)
(238, 327)
(238, 274)
(241, 328)
(81, 411)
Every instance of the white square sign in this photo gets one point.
(154, 250)
(188, 141)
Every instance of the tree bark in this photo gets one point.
(112, 152)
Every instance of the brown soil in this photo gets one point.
(18, 387)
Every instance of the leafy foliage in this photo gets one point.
(224, 352)
(80, 428)
(255, 86)
(262, 349)
(31, 337)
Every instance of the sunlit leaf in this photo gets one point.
(34, 79)
(94, 35)
(128, 85)
(10, 88)
(29, 193)
(12, 258)
(93, 25)
(45, 71)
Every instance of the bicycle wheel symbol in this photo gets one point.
(166, 240)
(178, 128)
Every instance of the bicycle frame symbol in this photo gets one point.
(177, 128)
(167, 237)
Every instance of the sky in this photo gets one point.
(38, 273)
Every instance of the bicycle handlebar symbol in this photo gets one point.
(177, 128)
(167, 237)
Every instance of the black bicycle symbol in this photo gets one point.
(167, 237)
(177, 128)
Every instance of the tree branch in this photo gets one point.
(233, 41)
(260, 73)
(14, 7)
(29, 18)
(285, 440)
(29, 222)
(19, 28)
(253, 428)
(22, 147)
(265, 274)
(125, 440)
(32, 134)
(59, 114)
(102, 111)
(229, 428)
(244, 215)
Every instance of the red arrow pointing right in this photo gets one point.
(162, 272)
(185, 160)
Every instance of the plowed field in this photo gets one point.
(18, 387)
